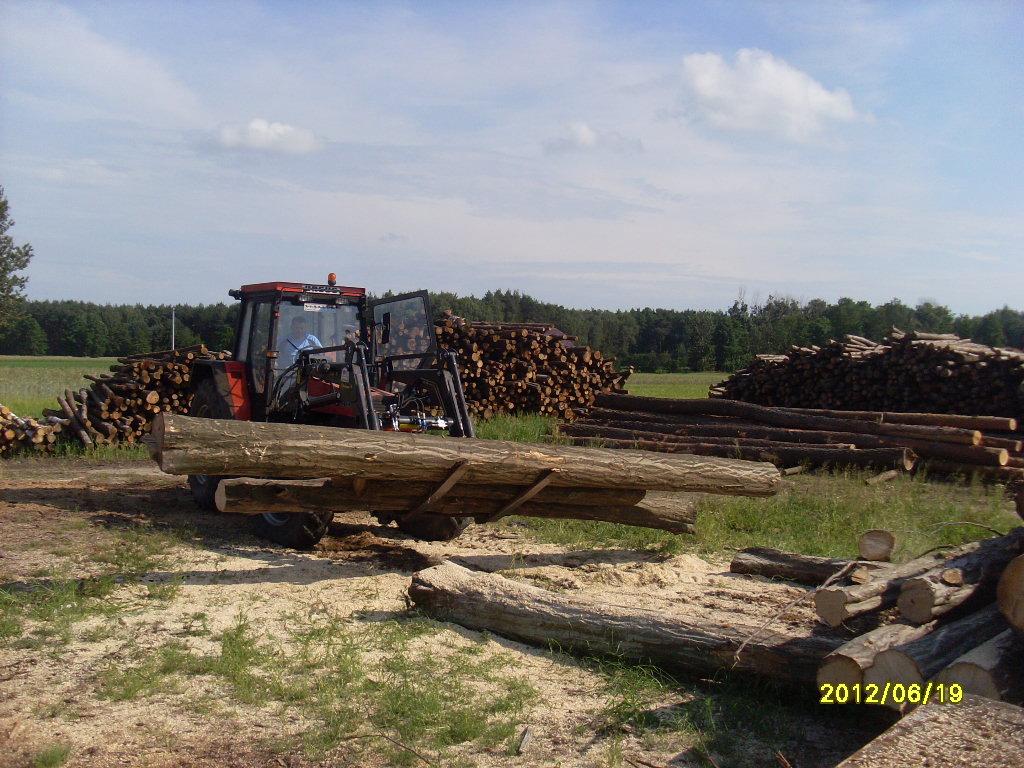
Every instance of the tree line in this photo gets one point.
(649, 339)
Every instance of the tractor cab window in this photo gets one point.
(312, 325)
(259, 343)
(403, 331)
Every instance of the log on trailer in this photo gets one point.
(185, 445)
(252, 496)
(493, 603)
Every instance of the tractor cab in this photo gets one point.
(324, 354)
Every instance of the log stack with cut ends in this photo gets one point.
(509, 368)
(17, 433)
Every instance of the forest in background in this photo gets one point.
(651, 340)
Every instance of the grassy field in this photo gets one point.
(673, 384)
(29, 384)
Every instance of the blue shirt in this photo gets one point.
(309, 342)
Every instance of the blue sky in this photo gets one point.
(593, 154)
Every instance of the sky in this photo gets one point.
(605, 154)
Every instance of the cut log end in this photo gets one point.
(1010, 593)
(830, 605)
(876, 545)
(840, 670)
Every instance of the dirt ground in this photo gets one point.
(53, 512)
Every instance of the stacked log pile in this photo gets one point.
(907, 372)
(18, 433)
(954, 617)
(116, 407)
(511, 368)
(988, 445)
(292, 468)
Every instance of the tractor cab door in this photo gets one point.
(403, 332)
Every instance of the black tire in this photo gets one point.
(297, 531)
(207, 403)
(430, 527)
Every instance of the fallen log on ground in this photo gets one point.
(981, 423)
(492, 603)
(918, 660)
(846, 664)
(975, 732)
(186, 445)
(773, 563)
(253, 496)
(902, 458)
(970, 576)
(1010, 593)
(995, 669)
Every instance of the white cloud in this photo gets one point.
(581, 137)
(760, 92)
(261, 134)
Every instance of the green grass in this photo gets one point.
(29, 384)
(673, 384)
(51, 757)
(520, 429)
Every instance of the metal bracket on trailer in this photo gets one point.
(542, 482)
(454, 475)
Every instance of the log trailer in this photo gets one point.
(308, 353)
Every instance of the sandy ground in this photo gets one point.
(51, 511)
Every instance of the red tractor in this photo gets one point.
(323, 354)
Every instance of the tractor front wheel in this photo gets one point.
(297, 531)
(433, 527)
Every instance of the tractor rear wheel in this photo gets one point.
(434, 527)
(207, 403)
(297, 531)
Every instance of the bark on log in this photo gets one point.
(782, 456)
(253, 496)
(876, 545)
(846, 664)
(185, 445)
(1010, 593)
(995, 669)
(981, 423)
(918, 660)
(772, 563)
(492, 603)
(780, 418)
(933, 593)
(834, 605)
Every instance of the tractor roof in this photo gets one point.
(280, 287)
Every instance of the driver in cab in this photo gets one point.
(298, 338)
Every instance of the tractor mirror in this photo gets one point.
(385, 329)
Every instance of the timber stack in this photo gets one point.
(509, 368)
(18, 433)
(294, 468)
(119, 407)
(989, 446)
(907, 372)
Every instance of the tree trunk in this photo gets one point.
(1010, 593)
(918, 660)
(185, 445)
(936, 592)
(846, 664)
(252, 496)
(995, 669)
(492, 603)
(772, 563)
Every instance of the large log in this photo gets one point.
(995, 669)
(492, 603)
(184, 445)
(975, 732)
(253, 496)
(780, 455)
(773, 563)
(920, 659)
(954, 581)
(982, 423)
(846, 664)
(834, 605)
(617, 433)
(1010, 593)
